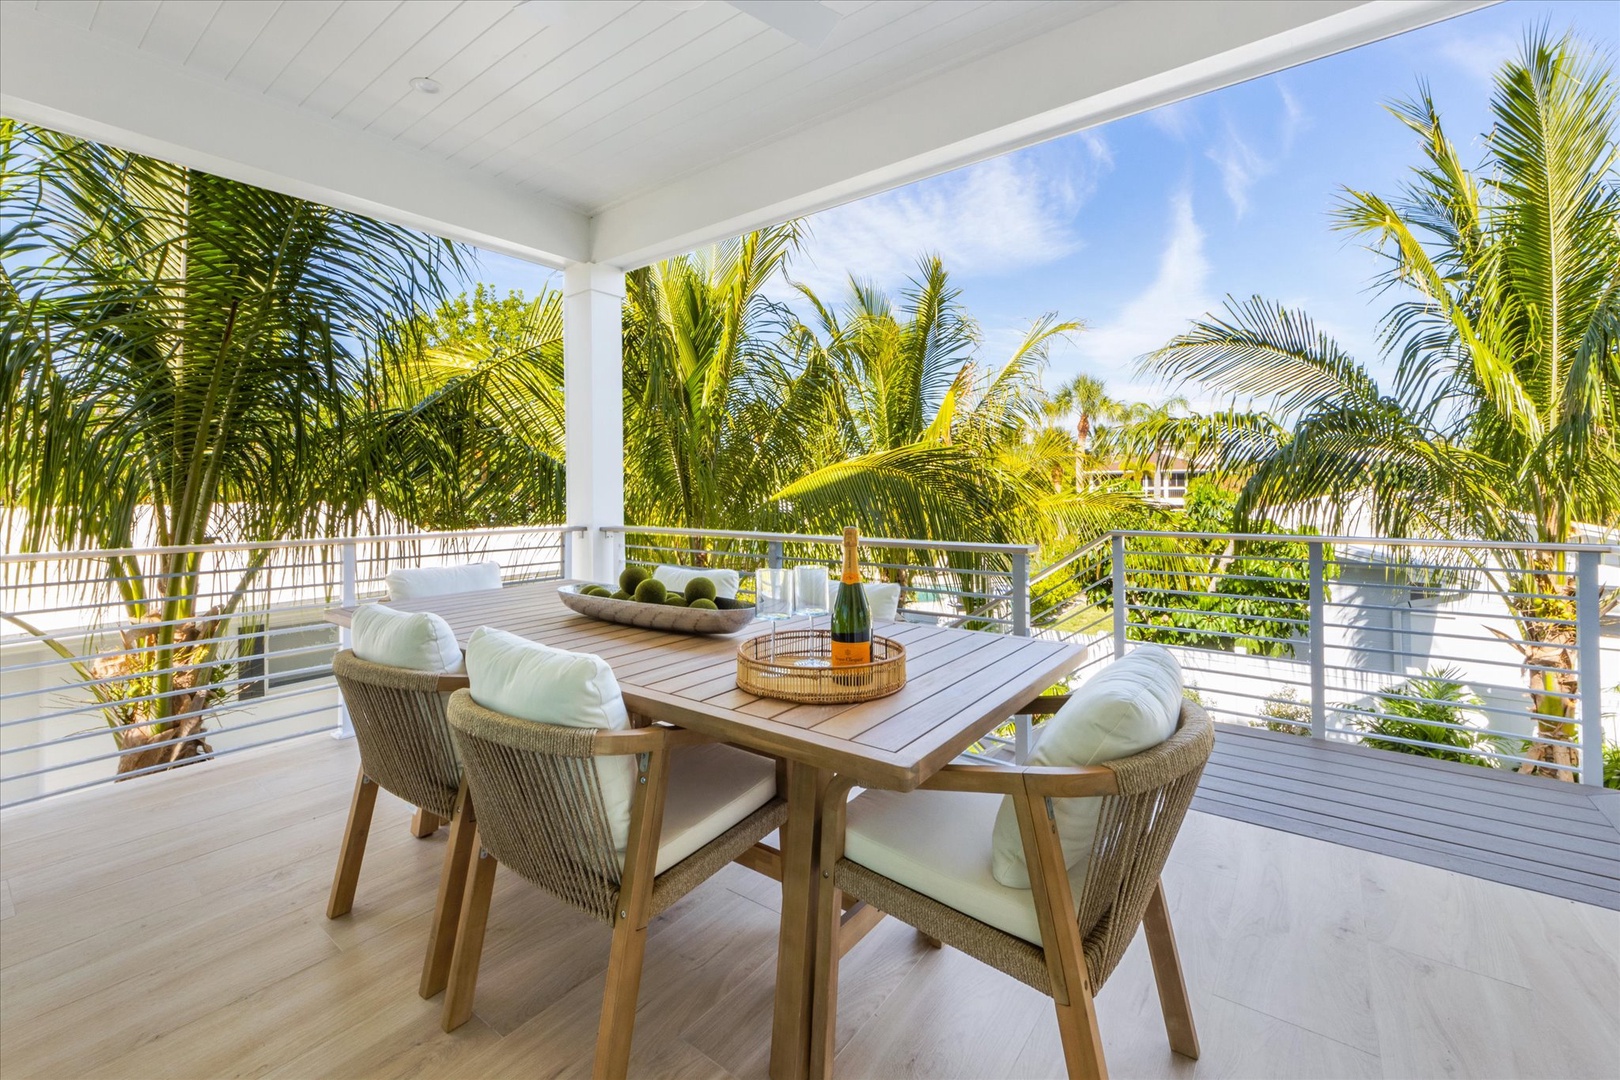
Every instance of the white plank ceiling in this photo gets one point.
(617, 98)
(622, 131)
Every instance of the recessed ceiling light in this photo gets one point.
(423, 84)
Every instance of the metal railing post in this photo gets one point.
(1121, 604)
(1020, 593)
(567, 568)
(1318, 633)
(351, 595)
(1020, 626)
(774, 555)
(1588, 644)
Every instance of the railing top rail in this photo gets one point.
(803, 538)
(1078, 553)
(272, 545)
(1370, 541)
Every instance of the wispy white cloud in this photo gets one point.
(1178, 293)
(1009, 213)
(1479, 55)
(1241, 164)
(1178, 120)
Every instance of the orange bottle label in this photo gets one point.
(845, 653)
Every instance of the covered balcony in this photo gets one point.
(1400, 860)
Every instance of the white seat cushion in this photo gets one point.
(531, 681)
(882, 598)
(675, 579)
(938, 843)
(1130, 706)
(420, 641)
(417, 582)
(711, 788)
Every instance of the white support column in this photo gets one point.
(593, 392)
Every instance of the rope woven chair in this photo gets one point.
(1144, 801)
(541, 813)
(406, 749)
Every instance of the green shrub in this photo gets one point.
(1417, 708)
(1611, 764)
(1284, 712)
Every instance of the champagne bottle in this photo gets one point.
(851, 618)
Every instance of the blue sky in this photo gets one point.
(1139, 225)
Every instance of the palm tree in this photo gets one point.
(468, 426)
(180, 357)
(716, 416)
(1502, 422)
(933, 444)
(1086, 398)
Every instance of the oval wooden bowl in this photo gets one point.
(772, 670)
(678, 620)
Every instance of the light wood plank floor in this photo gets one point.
(174, 927)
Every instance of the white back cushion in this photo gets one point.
(1129, 707)
(676, 577)
(420, 640)
(531, 681)
(416, 582)
(882, 598)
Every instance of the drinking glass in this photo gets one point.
(773, 598)
(810, 597)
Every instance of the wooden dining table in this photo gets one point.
(960, 685)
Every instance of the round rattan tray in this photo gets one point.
(774, 671)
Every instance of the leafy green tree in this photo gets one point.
(181, 357)
(1503, 422)
(1208, 592)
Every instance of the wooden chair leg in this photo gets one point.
(447, 909)
(931, 942)
(1082, 1043)
(618, 1024)
(424, 823)
(458, 994)
(1173, 1000)
(341, 900)
(837, 933)
(1065, 953)
(824, 982)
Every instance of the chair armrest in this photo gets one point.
(1041, 781)
(996, 779)
(632, 741)
(646, 740)
(1070, 782)
(678, 736)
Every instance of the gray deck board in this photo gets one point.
(1531, 832)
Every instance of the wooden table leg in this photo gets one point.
(796, 948)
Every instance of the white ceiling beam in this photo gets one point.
(61, 77)
(1117, 61)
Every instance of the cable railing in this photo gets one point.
(121, 663)
(115, 664)
(1490, 654)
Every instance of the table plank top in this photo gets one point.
(960, 683)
